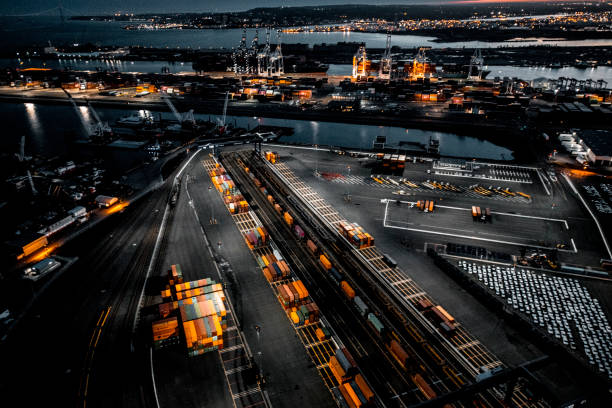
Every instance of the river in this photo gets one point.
(46, 128)
(27, 31)
(526, 73)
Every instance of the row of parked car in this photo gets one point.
(560, 306)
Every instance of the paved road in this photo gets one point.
(75, 342)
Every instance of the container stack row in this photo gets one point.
(272, 157)
(426, 205)
(438, 315)
(391, 162)
(165, 333)
(355, 234)
(256, 238)
(352, 390)
(479, 214)
(305, 314)
(198, 307)
(274, 266)
(224, 184)
(236, 203)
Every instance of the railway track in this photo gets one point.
(359, 338)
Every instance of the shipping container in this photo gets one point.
(325, 262)
(339, 397)
(347, 289)
(361, 306)
(424, 304)
(39, 242)
(389, 261)
(299, 232)
(346, 396)
(347, 361)
(398, 353)
(352, 395)
(311, 246)
(337, 370)
(288, 218)
(378, 326)
(364, 387)
(424, 387)
(445, 314)
(336, 275)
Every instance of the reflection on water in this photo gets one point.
(363, 136)
(34, 122)
(54, 122)
(28, 31)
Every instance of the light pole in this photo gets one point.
(348, 185)
(259, 353)
(212, 207)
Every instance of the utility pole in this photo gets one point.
(348, 185)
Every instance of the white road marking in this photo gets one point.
(603, 236)
(387, 225)
(153, 378)
(542, 180)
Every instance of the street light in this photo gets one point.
(348, 184)
(259, 353)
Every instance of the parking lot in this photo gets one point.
(559, 306)
(487, 171)
(503, 228)
(600, 196)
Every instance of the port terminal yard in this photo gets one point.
(411, 292)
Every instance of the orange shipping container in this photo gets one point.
(325, 262)
(352, 395)
(346, 288)
(267, 274)
(320, 334)
(337, 370)
(288, 218)
(346, 397)
(365, 389)
(300, 284)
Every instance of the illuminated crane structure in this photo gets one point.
(420, 67)
(240, 56)
(263, 57)
(361, 65)
(252, 60)
(386, 62)
(277, 65)
(476, 63)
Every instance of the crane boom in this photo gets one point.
(86, 125)
(225, 107)
(176, 113)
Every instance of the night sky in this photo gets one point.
(44, 7)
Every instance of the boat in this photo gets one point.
(138, 119)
